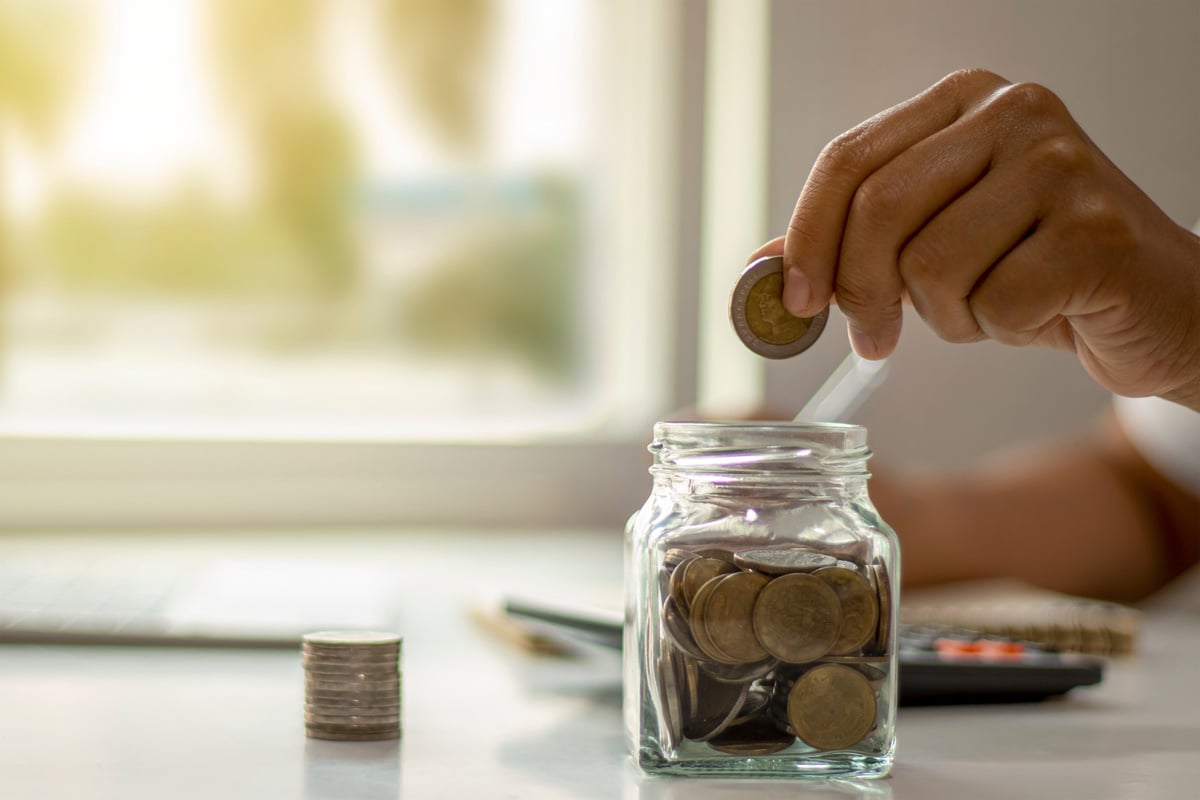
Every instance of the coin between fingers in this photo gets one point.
(759, 318)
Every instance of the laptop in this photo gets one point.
(242, 601)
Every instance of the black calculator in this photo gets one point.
(941, 666)
(937, 665)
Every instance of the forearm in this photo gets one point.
(1079, 517)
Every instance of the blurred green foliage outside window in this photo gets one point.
(401, 186)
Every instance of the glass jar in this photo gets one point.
(761, 602)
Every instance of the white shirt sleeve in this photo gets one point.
(1166, 434)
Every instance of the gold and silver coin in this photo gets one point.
(351, 685)
(759, 318)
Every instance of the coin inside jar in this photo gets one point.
(738, 673)
(755, 737)
(678, 630)
(719, 553)
(698, 623)
(883, 594)
(860, 608)
(728, 616)
(676, 556)
(782, 560)
(669, 678)
(715, 706)
(831, 707)
(692, 575)
(797, 618)
(759, 318)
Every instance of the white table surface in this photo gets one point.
(484, 720)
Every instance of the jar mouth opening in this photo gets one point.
(831, 448)
(783, 424)
(839, 435)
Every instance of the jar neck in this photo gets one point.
(806, 459)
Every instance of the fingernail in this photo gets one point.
(863, 344)
(796, 292)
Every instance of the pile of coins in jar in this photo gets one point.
(764, 646)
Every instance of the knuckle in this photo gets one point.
(875, 201)
(956, 328)
(856, 294)
(921, 263)
(1061, 155)
(1005, 322)
(852, 293)
(882, 322)
(965, 333)
(972, 79)
(1099, 217)
(1027, 100)
(845, 150)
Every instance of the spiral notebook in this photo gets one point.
(1015, 610)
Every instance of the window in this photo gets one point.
(274, 261)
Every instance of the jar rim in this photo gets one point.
(756, 424)
(754, 446)
(842, 435)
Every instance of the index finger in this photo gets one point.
(812, 245)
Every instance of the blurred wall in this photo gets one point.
(1129, 73)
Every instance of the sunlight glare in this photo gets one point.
(149, 115)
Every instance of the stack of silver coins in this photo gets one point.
(351, 685)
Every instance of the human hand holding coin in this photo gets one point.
(987, 206)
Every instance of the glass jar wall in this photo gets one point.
(761, 590)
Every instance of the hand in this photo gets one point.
(984, 204)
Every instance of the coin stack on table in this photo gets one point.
(351, 685)
(762, 646)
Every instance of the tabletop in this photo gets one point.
(484, 719)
